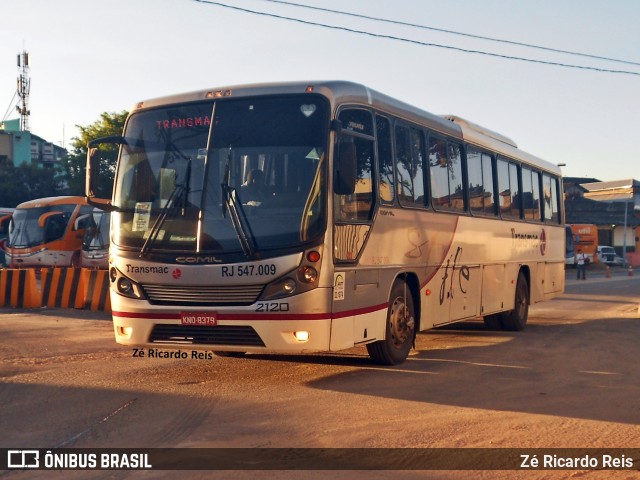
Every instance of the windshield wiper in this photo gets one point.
(238, 218)
(181, 190)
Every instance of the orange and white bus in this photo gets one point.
(315, 217)
(586, 239)
(5, 218)
(47, 232)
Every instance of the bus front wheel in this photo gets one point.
(400, 328)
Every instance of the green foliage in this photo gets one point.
(28, 181)
(74, 164)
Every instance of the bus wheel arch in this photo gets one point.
(401, 324)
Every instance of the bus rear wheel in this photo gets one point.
(516, 319)
(400, 328)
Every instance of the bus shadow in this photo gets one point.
(567, 370)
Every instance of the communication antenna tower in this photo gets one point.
(24, 84)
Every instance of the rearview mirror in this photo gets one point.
(99, 171)
(345, 168)
(42, 219)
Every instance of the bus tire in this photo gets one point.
(230, 354)
(400, 327)
(516, 319)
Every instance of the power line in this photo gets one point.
(416, 42)
(453, 32)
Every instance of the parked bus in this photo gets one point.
(570, 247)
(95, 244)
(317, 217)
(47, 232)
(586, 239)
(5, 218)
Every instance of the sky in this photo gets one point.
(88, 57)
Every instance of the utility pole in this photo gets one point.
(23, 90)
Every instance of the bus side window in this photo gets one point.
(385, 159)
(480, 179)
(509, 189)
(531, 194)
(551, 199)
(409, 162)
(516, 196)
(445, 167)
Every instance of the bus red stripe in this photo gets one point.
(258, 316)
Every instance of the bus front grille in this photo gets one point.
(202, 295)
(218, 335)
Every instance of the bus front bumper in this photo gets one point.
(220, 332)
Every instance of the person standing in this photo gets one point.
(581, 261)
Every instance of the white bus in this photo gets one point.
(315, 217)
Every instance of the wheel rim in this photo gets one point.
(401, 322)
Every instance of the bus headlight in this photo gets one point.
(289, 285)
(124, 285)
(279, 288)
(303, 279)
(307, 274)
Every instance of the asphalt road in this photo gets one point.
(571, 379)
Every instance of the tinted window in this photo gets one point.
(504, 190)
(480, 180)
(445, 166)
(551, 199)
(516, 198)
(357, 120)
(385, 159)
(509, 189)
(409, 166)
(531, 194)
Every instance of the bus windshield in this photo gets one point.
(216, 177)
(96, 237)
(30, 227)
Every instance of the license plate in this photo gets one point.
(199, 319)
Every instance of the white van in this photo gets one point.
(606, 255)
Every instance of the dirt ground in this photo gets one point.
(570, 380)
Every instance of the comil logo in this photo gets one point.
(23, 459)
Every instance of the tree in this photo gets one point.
(26, 182)
(74, 164)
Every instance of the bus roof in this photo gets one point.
(343, 92)
(64, 200)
